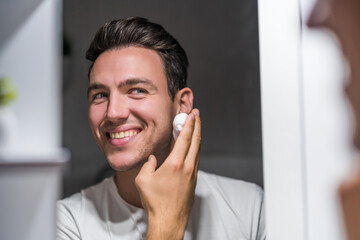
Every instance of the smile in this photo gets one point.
(123, 134)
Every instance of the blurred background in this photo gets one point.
(221, 41)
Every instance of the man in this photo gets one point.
(137, 85)
(343, 18)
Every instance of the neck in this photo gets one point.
(125, 183)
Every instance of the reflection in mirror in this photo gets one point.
(221, 42)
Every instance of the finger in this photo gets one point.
(148, 167)
(183, 142)
(193, 155)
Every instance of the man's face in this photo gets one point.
(130, 109)
(343, 18)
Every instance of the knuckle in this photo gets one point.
(177, 165)
(197, 138)
(139, 180)
(189, 170)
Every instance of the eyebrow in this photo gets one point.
(94, 86)
(134, 81)
(129, 82)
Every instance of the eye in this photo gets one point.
(137, 91)
(98, 97)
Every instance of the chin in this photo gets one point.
(121, 163)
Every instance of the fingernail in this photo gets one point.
(196, 112)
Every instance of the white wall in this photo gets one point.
(31, 163)
(30, 54)
(27, 201)
(305, 123)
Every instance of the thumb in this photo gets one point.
(149, 166)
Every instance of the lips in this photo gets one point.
(122, 135)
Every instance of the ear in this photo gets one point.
(184, 100)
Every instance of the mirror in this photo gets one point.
(221, 41)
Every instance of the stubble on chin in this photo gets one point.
(160, 149)
(118, 163)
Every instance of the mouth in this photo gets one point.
(122, 134)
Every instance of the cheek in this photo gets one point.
(96, 114)
(155, 110)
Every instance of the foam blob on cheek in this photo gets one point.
(178, 124)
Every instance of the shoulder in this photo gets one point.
(240, 204)
(232, 189)
(90, 195)
(72, 210)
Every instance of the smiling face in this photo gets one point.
(130, 109)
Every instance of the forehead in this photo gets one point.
(119, 65)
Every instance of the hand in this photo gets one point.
(167, 193)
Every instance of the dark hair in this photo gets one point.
(137, 31)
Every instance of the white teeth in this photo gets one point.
(120, 135)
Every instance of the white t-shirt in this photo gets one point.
(224, 208)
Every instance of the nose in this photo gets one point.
(118, 108)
